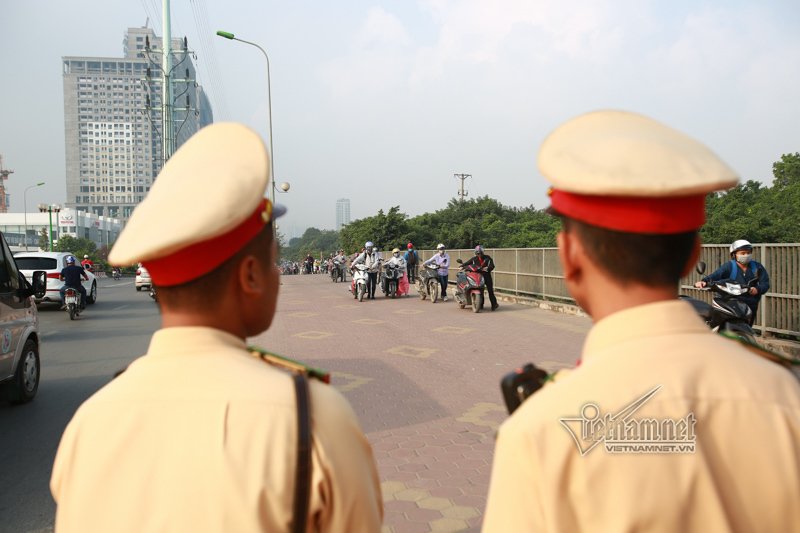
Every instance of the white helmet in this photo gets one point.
(86, 257)
(741, 244)
(440, 246)
(368, 244)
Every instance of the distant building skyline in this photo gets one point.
(342, 212)
(112, 121)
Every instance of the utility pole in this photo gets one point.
(4, 173)
(462, 194)
(167, 130)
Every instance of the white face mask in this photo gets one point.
(744, 258)
(396, 255)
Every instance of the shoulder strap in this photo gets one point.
(302, 487)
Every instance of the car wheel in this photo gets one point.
(26, 379)
(92, 296)
(138, 288)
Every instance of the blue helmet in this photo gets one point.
(70, 259)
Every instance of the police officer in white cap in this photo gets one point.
(202, 433)
(664, 426)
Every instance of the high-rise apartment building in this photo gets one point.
(113, 121)
(342, 212)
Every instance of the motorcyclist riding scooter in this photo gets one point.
(71, 276)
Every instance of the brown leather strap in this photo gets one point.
(303, 475)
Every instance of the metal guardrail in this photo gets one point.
(536, 273)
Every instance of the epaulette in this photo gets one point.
(759, 350)
(290, 364)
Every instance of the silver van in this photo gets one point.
(19, 329)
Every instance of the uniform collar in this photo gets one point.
(657, 319)
(169, 341)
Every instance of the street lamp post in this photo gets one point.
(50, 209)
(230, 36)
(25, 207)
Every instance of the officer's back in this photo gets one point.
(201, 434)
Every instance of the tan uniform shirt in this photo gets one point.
(743, 476)
(198, 435)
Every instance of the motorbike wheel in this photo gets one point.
(360, 293)
(71, 309)
(421, 291)
(433, 289)
(477, 302)
(392, 290)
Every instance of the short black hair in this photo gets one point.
(641, 258)
(197, 291)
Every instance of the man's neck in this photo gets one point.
(616, 298)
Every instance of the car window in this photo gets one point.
(10, 266)
(36, 263)
(5, 278)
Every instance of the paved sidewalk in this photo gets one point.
(424, 381)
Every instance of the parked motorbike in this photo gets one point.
(360, 277)
(72, 302)
(727, 312)
(470, 287)
(428, 283)
(391, 279)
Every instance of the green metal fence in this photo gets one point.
(536, 273)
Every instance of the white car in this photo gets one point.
(142, 278)
(53, 263)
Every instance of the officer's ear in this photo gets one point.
(570, 252)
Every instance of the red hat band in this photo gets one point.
(633, 214)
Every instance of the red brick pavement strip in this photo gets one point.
(424, 381)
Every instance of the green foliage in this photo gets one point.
(44, 242)
(77, 246)
(314, 241)
(462, 224)
(757, 213)
(386, 230)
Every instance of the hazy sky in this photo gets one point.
(383, 101)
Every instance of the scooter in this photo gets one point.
(428, 283)
(360, 277)
(470, 287)
(153, 293)
(391, 279)
(337, 272)
(727, 312)
(116, 275)
(72, 302)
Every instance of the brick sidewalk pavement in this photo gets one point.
(424, 381)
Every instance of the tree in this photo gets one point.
(44, 241)
(76, 246)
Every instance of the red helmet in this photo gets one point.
(410, 246)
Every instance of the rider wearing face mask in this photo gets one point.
(742, 269)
